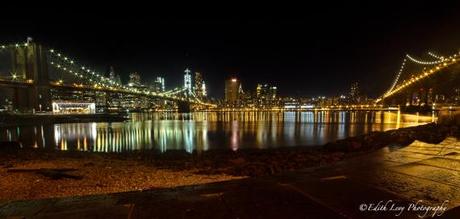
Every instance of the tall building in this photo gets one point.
(204, 90)
(159, 84)
(266, 91)
(200, 86)
(354, 92)
(266, 94)
(114, 77)
(233, 90)
(188, 81)
(134, 79)
(111, 73)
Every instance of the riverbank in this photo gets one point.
(35, 174)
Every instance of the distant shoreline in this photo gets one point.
(33, 119)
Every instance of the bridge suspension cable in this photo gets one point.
(98, 81)
(423, 62)
(436, 56)
(401, 69)
(445, 62)
(94, 76)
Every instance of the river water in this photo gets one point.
(209, 130)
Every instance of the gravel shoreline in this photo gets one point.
(36, 174)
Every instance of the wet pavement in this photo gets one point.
(402, 178)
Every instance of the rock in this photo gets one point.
(9, 146)
(252, 169)
(88, 164)
(50, 173)
(355, 145)
(237, 161)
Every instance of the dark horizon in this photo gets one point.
(308, 53)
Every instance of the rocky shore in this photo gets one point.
(430, 133)
(31, 174)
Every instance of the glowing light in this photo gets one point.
(423, 62)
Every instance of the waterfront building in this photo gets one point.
(266, 95)
(233, 91)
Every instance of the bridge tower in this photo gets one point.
(29, 65)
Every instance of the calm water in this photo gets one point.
(211, 130)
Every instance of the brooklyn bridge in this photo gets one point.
(34, 78)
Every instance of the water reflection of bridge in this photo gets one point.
(203, 131)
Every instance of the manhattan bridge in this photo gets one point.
(431, 82)
(34, 78)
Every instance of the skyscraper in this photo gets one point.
(354, 92)
(232, 91)
(266, 91)
(114, 77)
(200, 87)
(266, 94)
(111, 73)
(198, 82)
(203, 89)
(188, 81)
(159, 84)
(134, 79)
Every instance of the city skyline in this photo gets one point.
(200, 110)
(298, 53)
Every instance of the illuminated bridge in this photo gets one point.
(36, 78)
(432, 82)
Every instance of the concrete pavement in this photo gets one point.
(420, 174)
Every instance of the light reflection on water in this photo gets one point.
(211, 130)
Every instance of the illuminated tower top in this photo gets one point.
(188, 81)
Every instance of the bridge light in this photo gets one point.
(51, 50)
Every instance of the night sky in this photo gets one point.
(305, 50)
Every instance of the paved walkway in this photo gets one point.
(399, 176)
